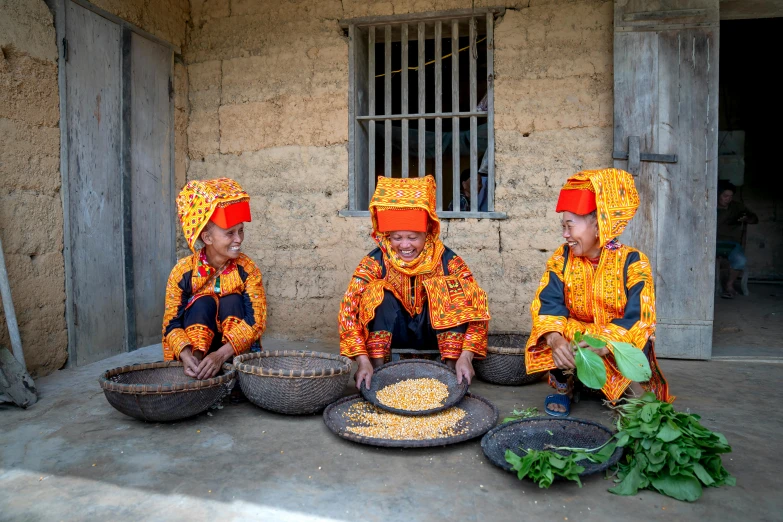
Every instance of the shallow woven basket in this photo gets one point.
(392, 373)
(540, 432)
(505, 361)
(292, 381)
(481, 415)
(160, 392)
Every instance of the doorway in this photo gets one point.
(117, 155)
(750, 109)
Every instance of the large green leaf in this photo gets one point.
(630, 484)
(669, 431)
(678, 486)
(590, 368)
(631, 362)
(595, 342)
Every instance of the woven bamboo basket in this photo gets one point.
(293, 382)
(161, 392)
(505, 361)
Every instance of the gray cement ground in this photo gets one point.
(73, 457)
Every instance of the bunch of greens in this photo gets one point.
(666, 450)
(541, 466)
(527, 413)
(590, 368)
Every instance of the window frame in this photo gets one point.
(361, 105)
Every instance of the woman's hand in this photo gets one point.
(464, 367)
(562, 354)
(364, 372)
(189, 362)
(212, 363)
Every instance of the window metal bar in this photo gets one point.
(387, 104)
(426, 116)
(371, 112)
(352, 122)
(439, 109)
(422, 98)
(490, 113)
(404, 100)
(455, 120)
(473, 121)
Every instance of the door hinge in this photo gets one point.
(171, 89)
(65, 49)
(75, 315)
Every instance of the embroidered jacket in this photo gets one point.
(188, 281)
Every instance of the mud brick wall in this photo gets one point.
(268, 85)
(31, 212)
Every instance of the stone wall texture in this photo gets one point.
(268, 87)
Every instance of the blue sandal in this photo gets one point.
(560, 399)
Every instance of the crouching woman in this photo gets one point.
(215, 303)
(411, 291)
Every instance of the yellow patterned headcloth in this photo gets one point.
(405, 193)
(616, 198)
(198, 200)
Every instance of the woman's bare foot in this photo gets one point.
(634, 390)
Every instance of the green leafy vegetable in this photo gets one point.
(631, 362)
(590, 368)
(667, 451)
(542, 466)
(521, 414)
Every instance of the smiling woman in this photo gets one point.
(215, 302)
(412, 291)
(594, 285)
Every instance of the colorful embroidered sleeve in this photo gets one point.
(549, 312)
(476, 336)
(353, 337)
(177, 294)
(243, 334)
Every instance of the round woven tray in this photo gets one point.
(505, 365)
(160, 392)
(293, 382)
(395, 372)
(535, 434)
(481, 416)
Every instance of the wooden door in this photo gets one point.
(151, 190)
(94, 186)
(666, 105)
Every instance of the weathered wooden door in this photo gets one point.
(666, 105)
(119, 207)
(151, 198)
(94, 188)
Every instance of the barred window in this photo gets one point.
(421, 102)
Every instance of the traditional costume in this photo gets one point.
(420, 304)
(613, 299)
(204, 309)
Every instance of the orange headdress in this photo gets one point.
(407, 204)
(399, 203)
(611, 192)
(220, 200)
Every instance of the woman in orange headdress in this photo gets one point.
(411, 291)
(215, 302)
(594, 285)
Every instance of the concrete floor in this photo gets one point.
(73, 457)
(750, 326)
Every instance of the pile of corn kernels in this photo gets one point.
(414, 394)
(370, 421)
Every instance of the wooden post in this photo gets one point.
(455, 109)
(438, 110)
(8, 308)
